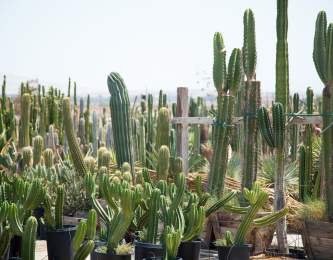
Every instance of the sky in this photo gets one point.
(153, 44)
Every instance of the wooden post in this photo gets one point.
(182, 129)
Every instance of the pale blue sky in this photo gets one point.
(152, 44)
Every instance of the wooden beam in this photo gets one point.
(182, 129)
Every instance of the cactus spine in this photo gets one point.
(121, 119)
(226, 85)
(71, 138)
(29, 239)
(163, 128)
(323, 60)
(252, 101)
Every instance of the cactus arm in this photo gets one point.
(99, 209)
(249, 45)
(29, 239)
(79, 236)
(234, 71)
(59, 207)
(5, 238)
(235, 209)
(220, 203)
(270, 219)
(84, 250)
(219, 66)
(14, 221)
(71, 138)
(153, 216)
(265, 126)
(91, 224)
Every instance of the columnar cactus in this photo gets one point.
(173, 237)
(294, 129)
(121, 119)
(94, 133)
(152, 227)
(274, 135)
(150, 124)
(59, 208)
(74, 148)
(163, 163)
(38, 146)
(48, 158)
(27, 157)
(252, 101)
(29, 239)
(163, 128)
(323, 60)
(24, 137)
(302, 178)
(142, 141)
(226, 85)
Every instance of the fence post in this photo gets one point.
(182, 129)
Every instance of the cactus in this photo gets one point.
(27, 157)
(257, 198)
(83, 241)
(94, 133)
(142, 141)
(24, 137)
(150, 124)
(163, 128)
(151, 236)
(59, 207)
(71, 138)
(294, 129)
(160, 99)
(274, 135)
(87, 121)
(323, 60)
(29, 239)
(163, 163)
(226, 85)
(38, 146)
(172, 242)
(302, 173)
(121, 119)
(48, 158)
(252, 101)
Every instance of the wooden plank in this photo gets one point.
(182, 129)
(300, 120)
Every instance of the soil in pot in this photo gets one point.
(146, 250)
(234, 252)
(189, 250)
(297, 253)
(109, 256)
(59, 243)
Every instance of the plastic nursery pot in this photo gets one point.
(59, 243)
(234, 252)
(15, 246)
(159, 258)
(41, 228)
(189, 250)
(109, 256)
(146, 250)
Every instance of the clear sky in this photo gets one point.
(153, 44)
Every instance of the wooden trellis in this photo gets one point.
(182, 121)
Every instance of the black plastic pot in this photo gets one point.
(189, 250)
(15, 246)
(59, 243)
(105, 256)
(146, 250)
(159, 258)
(234, 252)
(41, 228)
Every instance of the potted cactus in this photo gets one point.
(83, 241)
(122, 202)
(235, 248)
(59, 237)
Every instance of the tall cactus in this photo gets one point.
(302, 178)
(163, 128)
(152, 226)
(48, 158)
(74, 148)
(59, 207)
(27, 157)
(323, 60)
(252, 101)
(38, 146)
(24, 137)
(274, 135)
(226, 84)
(121, 119)
(294, 129)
